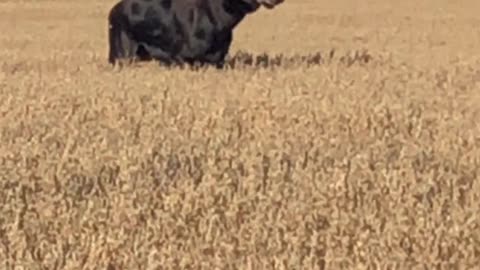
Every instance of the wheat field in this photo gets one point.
(344, 135)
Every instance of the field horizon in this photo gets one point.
(341, 136)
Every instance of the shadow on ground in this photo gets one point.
(264, 60)
(244, 59)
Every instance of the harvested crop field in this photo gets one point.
(344, 135)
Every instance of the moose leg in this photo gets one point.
(121, 45)
(158, 54)
(219, 50)
(156, 40)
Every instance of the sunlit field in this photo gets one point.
(341, 135)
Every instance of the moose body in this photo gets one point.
(176, 31)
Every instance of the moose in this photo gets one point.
(177, 31)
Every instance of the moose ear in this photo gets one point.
(270, 4)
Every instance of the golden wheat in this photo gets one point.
(342, 135)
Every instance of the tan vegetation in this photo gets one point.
(331, 162)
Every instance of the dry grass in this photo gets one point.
(331, 162)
